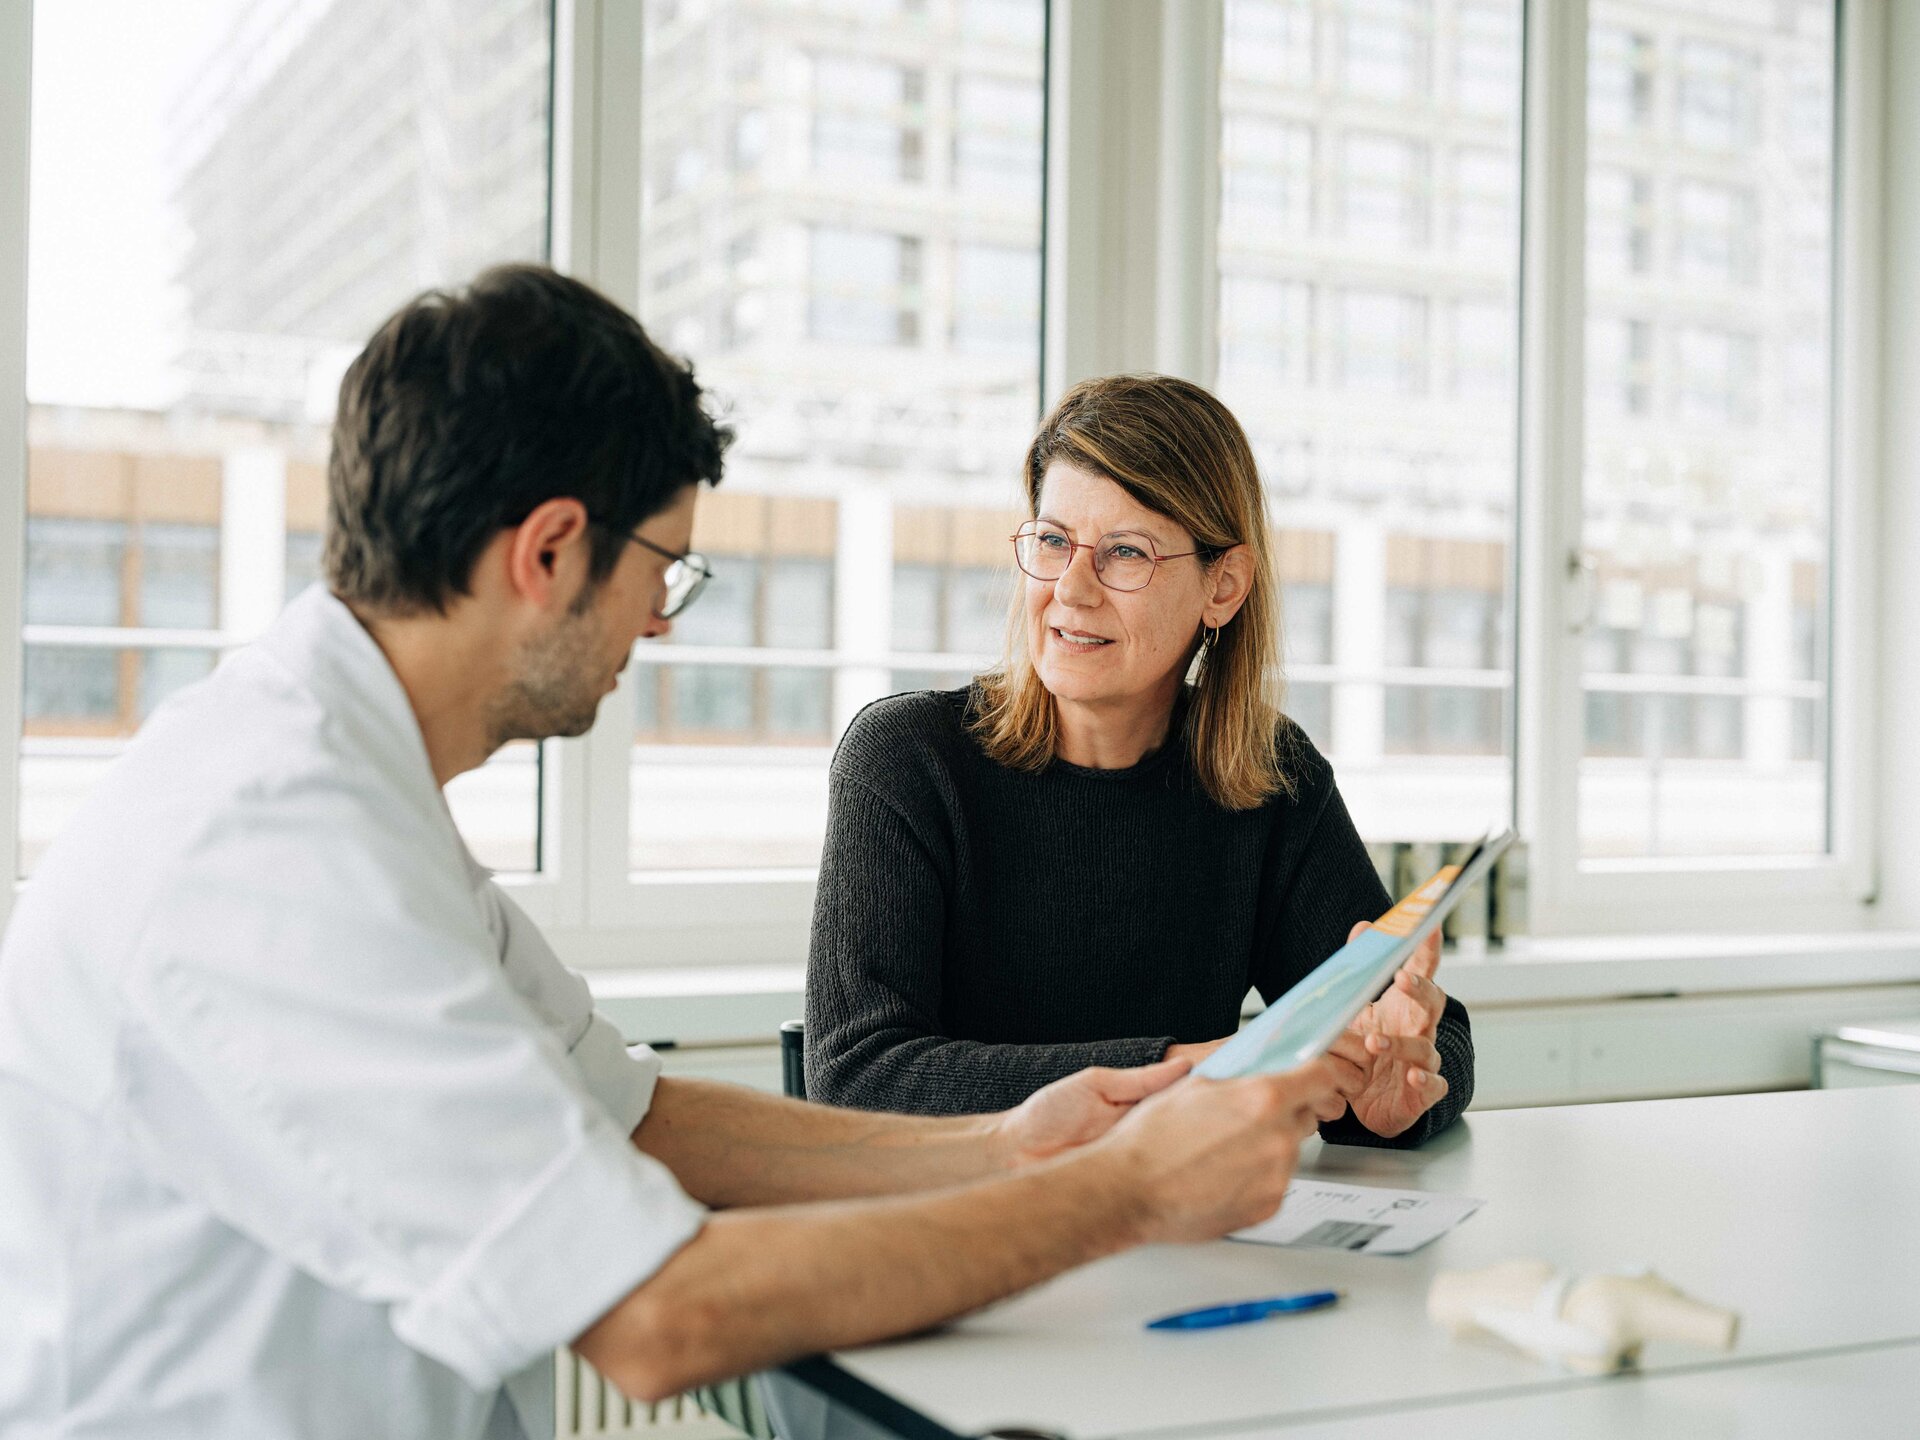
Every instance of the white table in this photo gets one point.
(1799, 1210)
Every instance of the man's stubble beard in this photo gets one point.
(556, 691)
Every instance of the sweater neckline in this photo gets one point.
(1146, 765)
(1154, 760)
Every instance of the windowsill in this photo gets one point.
(745, 1004)
(1581, 969)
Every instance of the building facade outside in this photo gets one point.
(841, 225)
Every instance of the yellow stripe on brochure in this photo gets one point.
(1403, 918)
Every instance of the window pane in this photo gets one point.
(1369, 280)
(226, 200)
(1708, 468)
(857, 275)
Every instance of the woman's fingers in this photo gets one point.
(1414, 1050)
(1422, 991)
(1425, 960)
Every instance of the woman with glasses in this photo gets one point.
(1088, 856)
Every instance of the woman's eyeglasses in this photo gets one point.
(1122, 559)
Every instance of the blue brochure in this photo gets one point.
(1302, 1023)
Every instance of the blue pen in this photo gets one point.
(1217, 1315)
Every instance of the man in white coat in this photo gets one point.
(304, 1131)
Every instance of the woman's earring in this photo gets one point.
(1213, 636)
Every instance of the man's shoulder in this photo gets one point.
(247, 757)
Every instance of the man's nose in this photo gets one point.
(656, 628)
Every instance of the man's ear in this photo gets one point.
(1231, 579)
(549, 554)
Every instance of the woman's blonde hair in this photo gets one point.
(1179, 452)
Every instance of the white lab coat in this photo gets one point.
(304, 1131)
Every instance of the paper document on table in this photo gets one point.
(1322, 1215)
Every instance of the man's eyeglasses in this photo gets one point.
(685, 578)
(1122, 559)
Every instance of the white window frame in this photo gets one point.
(1131, 283)
(1791, 893)
(16, 111)
(1132, 147)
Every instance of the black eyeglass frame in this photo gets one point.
(1208, 553)
(696, 562)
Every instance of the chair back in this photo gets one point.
(793, 1059)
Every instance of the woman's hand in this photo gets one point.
(1392, 1040)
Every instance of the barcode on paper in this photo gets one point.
(1341, 1235)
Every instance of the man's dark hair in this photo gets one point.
(468, 409)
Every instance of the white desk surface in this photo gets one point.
(1861, 1394)
(1795, 1209)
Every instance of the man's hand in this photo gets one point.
(1392, 1041)
(1213, 1156)
(1195, 1051)
(1081, 1108)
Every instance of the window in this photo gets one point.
(1718, 95)
(1268, 179)
(1008, 22)
(1483, 196)
(203, 266)
(1273, 42)
(881, 361)
(996, 299)
(1386, 190)
(1267, 326)
(1486, 59)
(1718, 377)
(1380, 341)
(1620, 74)
(1481, 351)
(1714, 233)
(1305, 563)
(302, 560)
(1385, 48)
(866, 120)
(1445, 612)
(841, 224)
(953, 585)
(1707, 511)
(1377, 378)
(74, 574)
(997, 126)
(1619, 222)
(864, 287)
(1619, 368)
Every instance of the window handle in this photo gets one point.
(1582, 581)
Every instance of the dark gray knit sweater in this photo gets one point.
(981, 931)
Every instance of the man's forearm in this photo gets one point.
(757, 1288)
(730, 1146)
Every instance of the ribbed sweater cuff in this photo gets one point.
(1455, 1044)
